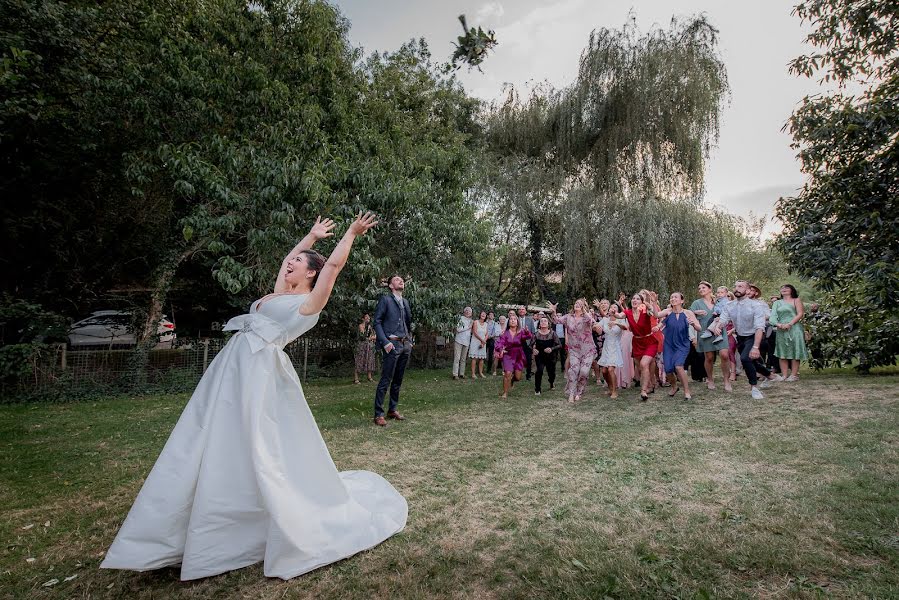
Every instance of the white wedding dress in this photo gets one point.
(245, 475)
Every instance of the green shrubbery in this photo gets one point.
(26, 330)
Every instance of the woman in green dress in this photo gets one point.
(704, 309)
(789, 346)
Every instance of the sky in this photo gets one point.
(753, 164)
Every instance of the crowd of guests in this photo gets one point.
(638, 342)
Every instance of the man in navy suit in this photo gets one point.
(393, 326)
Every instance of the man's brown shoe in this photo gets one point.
(395, 415)
(380, 421)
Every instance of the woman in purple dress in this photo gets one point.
(509, 348)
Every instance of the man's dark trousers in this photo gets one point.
(761, 365)
(528, 358)
(744, 347)
(393, 367)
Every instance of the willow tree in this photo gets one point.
(621, 150)
(525, 183)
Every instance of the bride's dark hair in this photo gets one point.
(314, 261)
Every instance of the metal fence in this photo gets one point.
(65, 373)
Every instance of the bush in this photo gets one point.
(846, 329)
(26, 329)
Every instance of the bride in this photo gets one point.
(245, 475)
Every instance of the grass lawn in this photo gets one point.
(793, 496)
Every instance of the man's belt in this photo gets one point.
(394, 338)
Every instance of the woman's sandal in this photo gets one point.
(674, 391)
(643, 397)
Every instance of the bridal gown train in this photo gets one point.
(245, 475)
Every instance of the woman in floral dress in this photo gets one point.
(579, 326)
(478, 348)
(365, 349)
(600, 309)
(611, 359)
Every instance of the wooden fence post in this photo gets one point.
(205, 354)
(63, 361)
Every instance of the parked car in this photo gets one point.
(111, 329)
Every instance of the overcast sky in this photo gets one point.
(542, 41)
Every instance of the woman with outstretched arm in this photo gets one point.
(245, 476)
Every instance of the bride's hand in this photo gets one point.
(363, 223)
(322, 228)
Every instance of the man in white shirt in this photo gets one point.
(761, 366)
(749, 318)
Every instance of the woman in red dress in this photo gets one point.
(645, 344)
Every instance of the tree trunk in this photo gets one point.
(147, 338)
(536, 231)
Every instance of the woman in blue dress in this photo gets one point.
(676, 321)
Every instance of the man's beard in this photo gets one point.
(739, 294)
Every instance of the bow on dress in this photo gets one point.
(260, 331)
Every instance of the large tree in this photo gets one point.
(842, 230)
(146, 141)
(145, 134)
(623, 151)
(70, 227)
(416, 157)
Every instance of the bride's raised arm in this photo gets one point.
(319, 295)
(319, 231)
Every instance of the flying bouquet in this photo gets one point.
(473, 46)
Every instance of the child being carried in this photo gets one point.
(714, 328)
